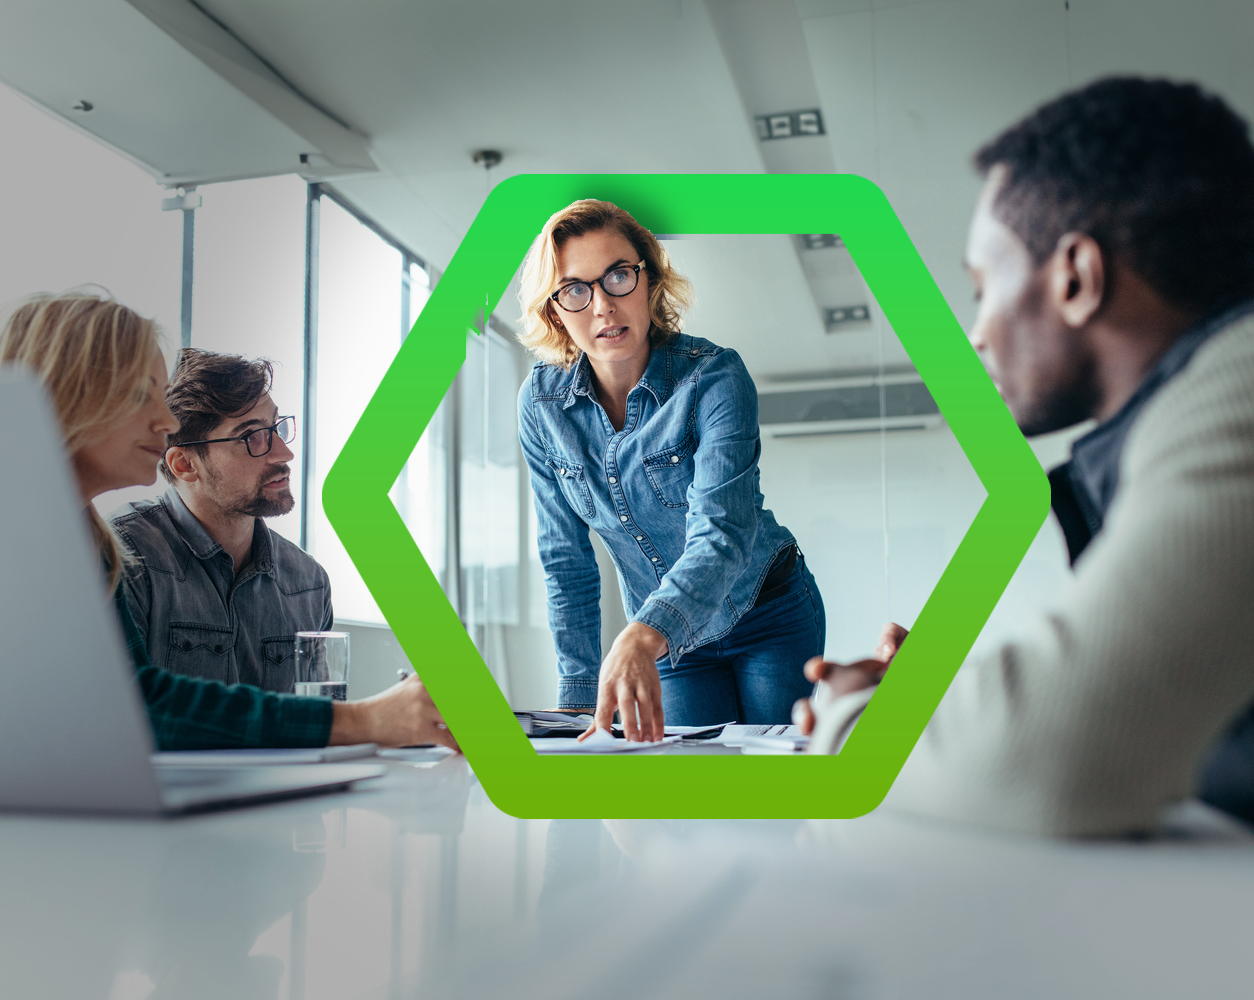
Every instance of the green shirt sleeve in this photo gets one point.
(192, 714)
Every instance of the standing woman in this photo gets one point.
(650, 437)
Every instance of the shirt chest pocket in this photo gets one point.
(201, 651)
(574, 487)
(279, 663)
(670, 473)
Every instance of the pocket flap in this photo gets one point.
(668, 457)
(563, 468)
(279, 648)
(210, 638)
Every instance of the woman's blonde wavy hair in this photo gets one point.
(670, 293)
(92, 355)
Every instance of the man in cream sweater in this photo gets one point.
(1112, 251)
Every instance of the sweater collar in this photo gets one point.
(1083, 488)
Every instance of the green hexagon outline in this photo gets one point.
(516, 778)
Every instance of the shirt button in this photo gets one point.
(613, 479)
(217, 649)
(674, 458)
(695, 351)
(681, 648)
(187, 647)
(640, 538)
(655, 558)
(561, 472)
(622, 517)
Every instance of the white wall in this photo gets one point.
(73, 212)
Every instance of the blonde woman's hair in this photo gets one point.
(92, 355)
(670, 293)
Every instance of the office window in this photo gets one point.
(490, 504)
(421, 491)
(489, 482)
(359, 332)
(249, 292)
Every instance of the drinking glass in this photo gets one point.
(322, 665)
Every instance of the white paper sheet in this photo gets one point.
(734, 736)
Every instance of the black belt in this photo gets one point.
(776, 582)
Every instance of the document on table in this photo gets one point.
(690, 732)
(235, 758)
(734, 736)
(764, 739)
(598, 742)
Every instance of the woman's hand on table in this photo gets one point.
(630, 683)
(845, 678)
(403, 715)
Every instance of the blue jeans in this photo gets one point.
(752, 674)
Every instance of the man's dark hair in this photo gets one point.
(207, 388)
(1160, 174)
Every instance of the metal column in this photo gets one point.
(309, 416)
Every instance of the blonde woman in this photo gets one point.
(101, 364)
(650, 437)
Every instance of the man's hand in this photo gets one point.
(891, 638)
(845, 678)
(630, 682)
(403, 715)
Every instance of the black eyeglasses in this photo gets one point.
(258, 442)
(577, 295)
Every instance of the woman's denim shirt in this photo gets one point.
(674, 495)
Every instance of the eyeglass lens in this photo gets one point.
(260, 442)
(576, 296)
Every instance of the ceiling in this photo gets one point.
(388, 99)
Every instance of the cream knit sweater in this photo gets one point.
(1101, 714)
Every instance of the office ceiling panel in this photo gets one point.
(180, 97)
(555, 85)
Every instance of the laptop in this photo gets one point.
(74, 733)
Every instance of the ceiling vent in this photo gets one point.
(847, 406)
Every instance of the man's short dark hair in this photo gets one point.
(1160, 174)
(207, 388)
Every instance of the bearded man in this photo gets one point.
(214, 591)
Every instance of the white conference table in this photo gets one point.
(415, 885)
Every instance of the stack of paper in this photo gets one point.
(540, 724)
(598, 742)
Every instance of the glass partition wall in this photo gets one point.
(369, 289)
(333, 327)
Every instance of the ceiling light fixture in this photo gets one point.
(488, 157)
(836, 317)
(790, 124)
